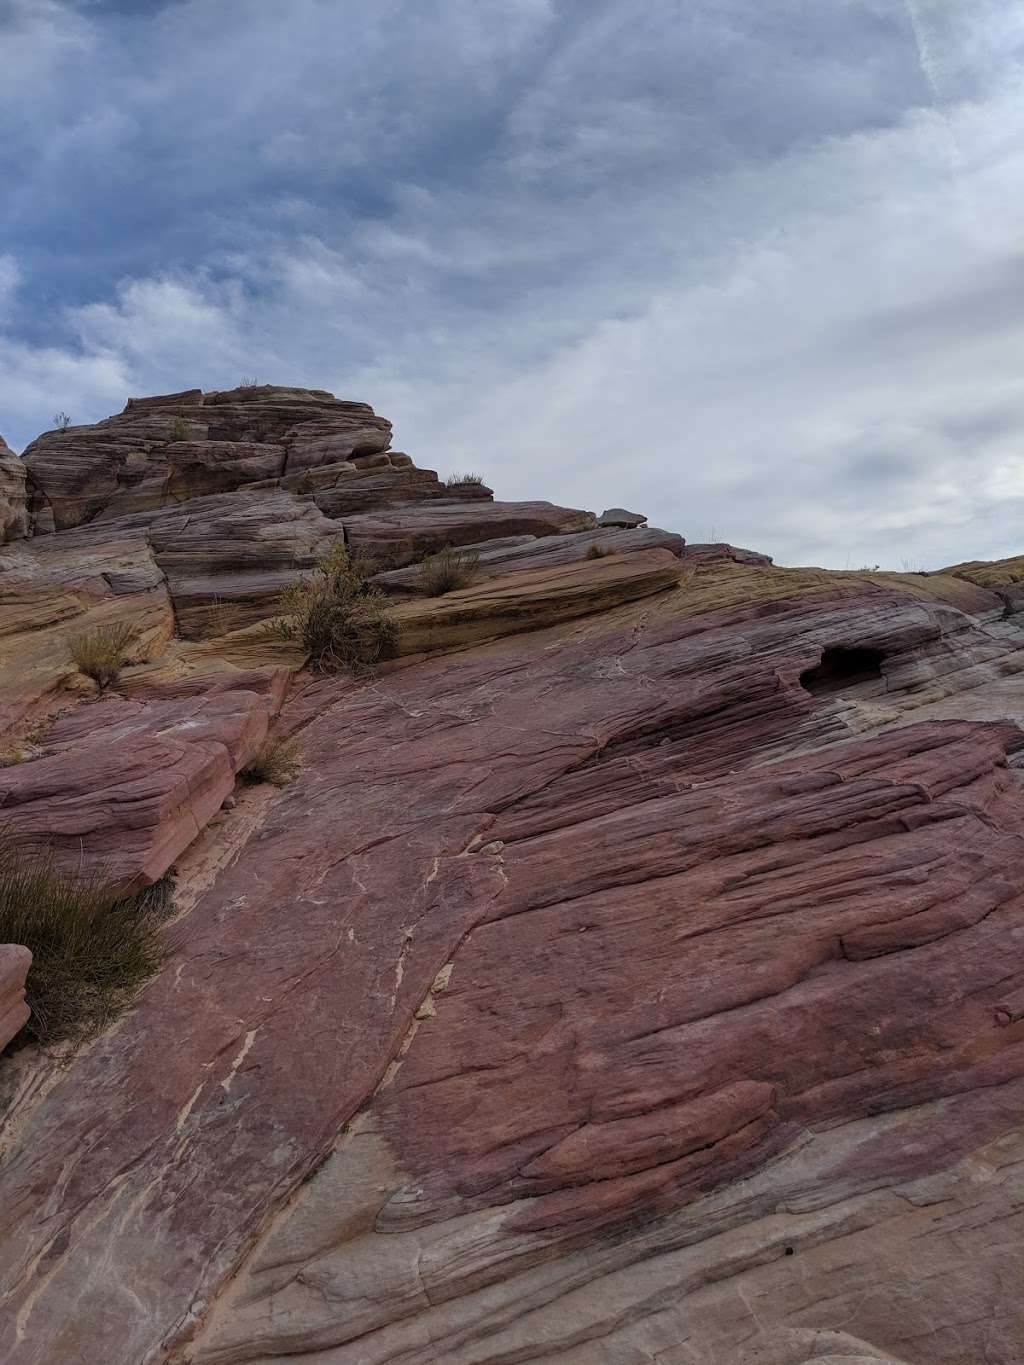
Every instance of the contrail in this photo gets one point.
(926, 57)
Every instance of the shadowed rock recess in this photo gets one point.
(632, 973)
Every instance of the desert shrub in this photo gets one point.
(277, 762)
(337, 618)
(61, 420)
(595, 551)
(180, 430)
(248, 382)
(458, 480)
(447, 570)
(102, 652)
(11, 754)
(91, 953)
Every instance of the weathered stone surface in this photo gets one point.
(181, 446)
(643, 985)
(511, 554)
(630, 995)
(14, 964)
(618, 516)
(406, 533)
(14, 519)
(125, 786)
(532, 598)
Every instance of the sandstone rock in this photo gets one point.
(125, 786)
(618, 516)
(14, 964)
(513, 553)
(138, 461)
(13, 496)
(634, 980)
(407, 533)
(531, 599)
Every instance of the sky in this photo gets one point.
(753, 268)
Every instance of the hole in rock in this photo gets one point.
(841, 668)
(789, 1251)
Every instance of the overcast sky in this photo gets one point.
(752, 267)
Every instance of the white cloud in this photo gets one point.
(746, 276)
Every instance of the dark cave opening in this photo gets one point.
(842, 667)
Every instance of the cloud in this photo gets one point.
(752, 269)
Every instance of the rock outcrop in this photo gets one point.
(14, 521)
(632, 973)
(14, 964)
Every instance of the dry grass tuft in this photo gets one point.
(335, 615)
(277, 762)
(91, 953)
(11, 755)
(102, 652)
(459, 480)
(595, 551)
(448, 570)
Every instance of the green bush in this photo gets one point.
(180, 430)
(103, 651)
(91, 953)
(277, 762)
(447, 570)
(337, 618)
(457, 480)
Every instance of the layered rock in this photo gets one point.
(184, 445)
(14, 520)
(14, 964)
(631, 973)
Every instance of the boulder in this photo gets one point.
(14, 964)
(618, 516)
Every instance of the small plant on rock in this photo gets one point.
(248, 382)
(447, 570)
(102, 652)
(180, 430)
(460, 480)
(11, 755)
(277, 762)
(61, 420)
(595, 551)
(91, 952)
(335, 615)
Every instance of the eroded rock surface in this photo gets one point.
(14, 520)
(632, 973)
(14, 964)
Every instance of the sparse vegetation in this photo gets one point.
(277, 762)
(459, 480)
(180, 430)
(447, 570)
(61, 420)
(102, 652)
(91, 953)
(595, 551)
(248, 382)
(335, 615)
(11, 755)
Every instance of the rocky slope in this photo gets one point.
(633, 973)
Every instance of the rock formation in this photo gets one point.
(14, 521)
(632, 973)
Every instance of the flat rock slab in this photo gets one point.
(514, 553)
(532, 598)
(125, 786)
(407, 533)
